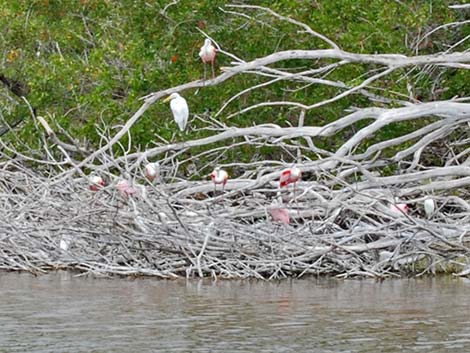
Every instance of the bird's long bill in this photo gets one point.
(166, 99)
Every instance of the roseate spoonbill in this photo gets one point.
(429, 207)
(152, 170)
(399, 208)
(125, 189)
(97, 183)
(180, 109)
(207, 55)
(219, 176)
(280, 215)
(289, 176)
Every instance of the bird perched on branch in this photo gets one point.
(125, 189)
(399, 208)
(152, 170)
(219, 176)
(429, 207)
(207, 55)
(96, 183)
(64, 243)
(180, 109)
(289, 176)
(280, 215)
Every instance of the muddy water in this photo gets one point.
(64, 313)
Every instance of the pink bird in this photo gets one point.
(97, 183)
(289, 176)
(207, 55)
(219, 176)
(280, 215)
(151, 171)
(399, 208)
(125, 189)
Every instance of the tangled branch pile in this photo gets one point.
(342, 219)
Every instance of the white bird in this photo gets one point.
(152, 170)
(385, 255)
(180, 109)
(64, 243)
(429, 207)
(207, 55)
(219, 176)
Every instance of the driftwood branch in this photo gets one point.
(344, 217)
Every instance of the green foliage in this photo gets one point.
(88, 62)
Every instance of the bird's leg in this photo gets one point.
(295, 197)
(213, 70)
(205, 73)
(215, 189)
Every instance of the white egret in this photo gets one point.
(429, 207)
(64, 243)
(219, 176)
(180, 109)
(207, 55)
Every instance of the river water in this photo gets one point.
(61, 312)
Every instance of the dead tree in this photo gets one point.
(342, 218)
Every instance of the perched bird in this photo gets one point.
(97, 183)
(385, 255)
(219, 176)
(125, 189)
(290, 175)
(64, 243)
(152, 171)
(280, 215)
(207, 55)
(429, 207)
(180, 109)
(399, 208)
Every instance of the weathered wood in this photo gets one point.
(344, 218)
